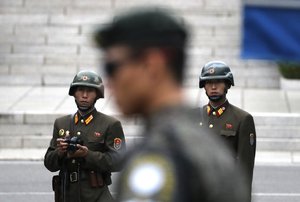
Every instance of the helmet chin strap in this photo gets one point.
(85, 109)
(217, 98)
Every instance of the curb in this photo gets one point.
(262, 157)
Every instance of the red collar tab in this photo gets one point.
(86, 121)
(209, 110)
(76, 119)
(89, 119)
(216, 112)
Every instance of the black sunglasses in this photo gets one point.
(110, 67)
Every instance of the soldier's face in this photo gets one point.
(85, 96)
(128, 79)
(215, 87)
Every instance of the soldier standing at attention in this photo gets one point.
(235, 126)
(86, 146)
(144, 61)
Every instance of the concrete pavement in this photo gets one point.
(29, 181)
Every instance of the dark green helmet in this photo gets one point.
(216, 70)
(89, 79)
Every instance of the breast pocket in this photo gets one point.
(96, 144)
(228, 133)
(230, 139)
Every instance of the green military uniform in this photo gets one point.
(87, 179)
(234, 125)
(237, 128)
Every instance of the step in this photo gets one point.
(262, 157)
(277, 119)
(46, 129)
(242, 74)
(278, 144)
(33, 130)
(278, 131)
(40, 142)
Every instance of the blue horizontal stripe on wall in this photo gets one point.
(271, 33)
(274, 3)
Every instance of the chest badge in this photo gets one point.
(229, 126)
(97, 134)
(117, 143)
(211, 71)
(61, 132)
(252, 139)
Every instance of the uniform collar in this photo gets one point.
(217, 111)
(87, 119)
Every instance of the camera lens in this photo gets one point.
(72, 143)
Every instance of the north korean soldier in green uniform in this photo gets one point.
(234, 125)
(86, 146)
(176, 162)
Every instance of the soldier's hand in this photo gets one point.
(61, 146)
(81, 152)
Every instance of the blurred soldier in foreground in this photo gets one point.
(86, 146)
(235, 126)
(144, 60)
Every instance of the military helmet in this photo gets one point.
(215, 70)
(89, 79)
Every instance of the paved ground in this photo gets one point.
(29, 181)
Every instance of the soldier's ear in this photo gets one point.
(228, 85)
(156, 62)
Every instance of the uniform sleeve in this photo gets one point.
(246, 149)
(51, 160)
(109, 161)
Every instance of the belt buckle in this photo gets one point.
(74, 177)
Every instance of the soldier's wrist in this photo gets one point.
(85, 153)
(60, 154)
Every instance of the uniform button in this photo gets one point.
(211, 125)
(200, 123)
(78, 133)
(82, 121)
(214, 113)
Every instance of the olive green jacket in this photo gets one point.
(104, 137)
(237, 128)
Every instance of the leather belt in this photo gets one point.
(74, 176)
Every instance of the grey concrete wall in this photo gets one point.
(45, 42)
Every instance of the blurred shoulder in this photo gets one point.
(63, 119)
(107, 118)
(239, 112)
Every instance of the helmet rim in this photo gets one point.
(98, 85)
